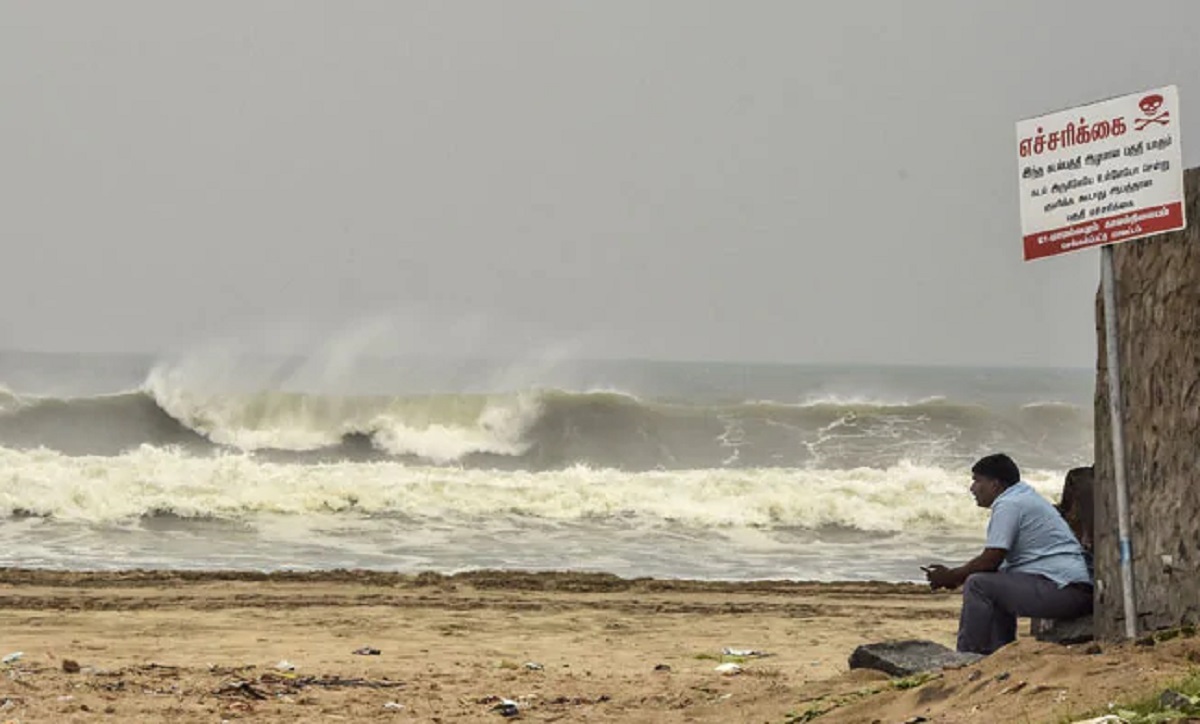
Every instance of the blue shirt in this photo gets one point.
(1036, 537)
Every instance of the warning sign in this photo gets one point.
(1099, 174)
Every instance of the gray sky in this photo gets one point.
(807, 182)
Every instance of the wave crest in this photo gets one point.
(543, 429)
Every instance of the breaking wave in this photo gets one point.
(151, 482)
(546, 429)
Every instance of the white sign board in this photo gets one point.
(1099, 174)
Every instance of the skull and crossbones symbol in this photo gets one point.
(1150, 105)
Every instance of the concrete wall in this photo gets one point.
(1158, 297)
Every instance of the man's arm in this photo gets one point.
(986, 562)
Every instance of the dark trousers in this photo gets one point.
(993, 601)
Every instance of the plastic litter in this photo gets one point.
(728, 669)
(745, 653)
(366, 651)
(285, 665)
(507, 707)
(533, 666)
(12, 658)
(393, 706)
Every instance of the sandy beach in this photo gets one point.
(204, 647)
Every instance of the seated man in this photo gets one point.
(1031, 565)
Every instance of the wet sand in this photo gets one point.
(206, 647)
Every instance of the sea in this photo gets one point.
(699, 470)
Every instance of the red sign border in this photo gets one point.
(1172, 220)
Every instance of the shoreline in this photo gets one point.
(517, 578)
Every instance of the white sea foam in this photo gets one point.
(498, 429)
(438, 428)
(152, 481)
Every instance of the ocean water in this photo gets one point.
(697, 470)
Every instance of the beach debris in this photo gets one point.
(1106, 719)
(533, 666)
(70, 666)
(507, 708)
(241, 688)
(728, 669)
(905, 658)
(285, 665)
(915, 720)
(366, 651)
(8, 703)
(580, 700)
(333, 682)
(12, 658)
(270, 684)
(1015, 687)
(66, 697)
(662, 667)
(745, 653)
(229, 670)
(393, 706)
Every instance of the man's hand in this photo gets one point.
(940, 576)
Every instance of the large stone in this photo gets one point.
(1063, 631)
(905, 658)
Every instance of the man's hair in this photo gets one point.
(998, 467)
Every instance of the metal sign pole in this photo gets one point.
(1109, 290)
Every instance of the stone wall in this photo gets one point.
(1158, 298)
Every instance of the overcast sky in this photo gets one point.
(800, 182)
